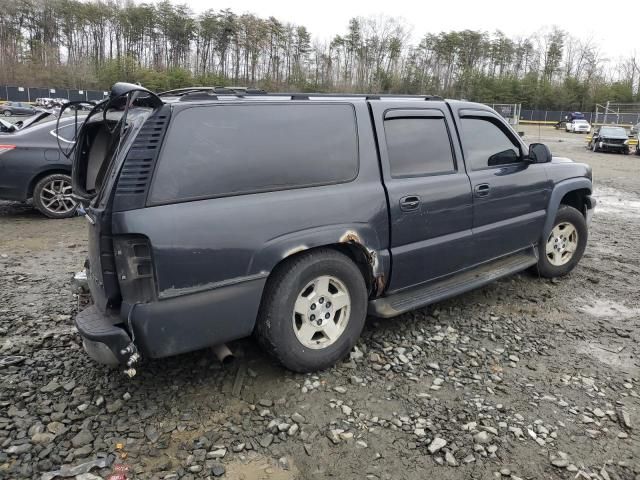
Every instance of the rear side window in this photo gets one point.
(418, 146)
(231, 149)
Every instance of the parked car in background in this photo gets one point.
(9, 109)
(293, 216)
(44, 101)
(578, 126)
(609, 138)
(32, 166)
(569, 119)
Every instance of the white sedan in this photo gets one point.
(578, 126)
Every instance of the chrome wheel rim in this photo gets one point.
(562, 244)
(56, 197)
(321, 312)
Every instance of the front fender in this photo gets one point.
(559, 191)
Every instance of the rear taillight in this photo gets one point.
(6, 148)
(134, 268)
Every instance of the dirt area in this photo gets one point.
(525, 378)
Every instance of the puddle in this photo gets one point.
(260, 468)
(607, 309)
(617, 202)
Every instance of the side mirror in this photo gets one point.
(539, 153)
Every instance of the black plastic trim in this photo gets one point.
(135, 177)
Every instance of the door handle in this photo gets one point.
(482, 190)
(409, 203)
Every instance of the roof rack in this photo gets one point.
(364, 96)
(212, 93)
(239, 91)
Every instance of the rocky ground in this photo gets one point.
(526, 378)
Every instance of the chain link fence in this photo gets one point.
(598, 117)
(16, 93)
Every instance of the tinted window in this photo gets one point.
(486, 145)
(418, 146)
(229, 149)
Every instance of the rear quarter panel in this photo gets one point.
(207, 244)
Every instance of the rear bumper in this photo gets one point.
(172, 326)
(103, 339)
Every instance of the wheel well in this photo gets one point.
(357, 253)
(576, 199)
(41, 175)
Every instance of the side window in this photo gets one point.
(224, 150)
(486, 145)
(418, 146)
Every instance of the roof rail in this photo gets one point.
(178, 92)
(212, 93)
(364, 96)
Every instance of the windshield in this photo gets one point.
(617, 131)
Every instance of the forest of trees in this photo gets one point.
(92, 44)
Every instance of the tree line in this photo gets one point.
(92, 44)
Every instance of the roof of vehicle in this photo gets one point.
(204, 95)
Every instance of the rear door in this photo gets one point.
(510, 194)
(428, 190)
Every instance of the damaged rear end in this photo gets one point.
(113, 160)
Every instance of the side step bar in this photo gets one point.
(438, 290)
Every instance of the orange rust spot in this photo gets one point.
(350, 237)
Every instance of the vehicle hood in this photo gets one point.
(561, 160)
(33, 119)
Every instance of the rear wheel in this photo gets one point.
(313, 310)
(52, 196)
(561, 251)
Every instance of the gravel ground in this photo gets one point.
(525, 378)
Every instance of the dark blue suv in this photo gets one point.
(294, 216)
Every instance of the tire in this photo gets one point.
(51, 196)
(7, 113)
(555, 246)
(594, 147)
(297, 286)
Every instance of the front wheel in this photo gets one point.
(313, 310)
(7, 113)
(561, 251)
(52, 196)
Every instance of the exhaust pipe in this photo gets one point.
(225, 356)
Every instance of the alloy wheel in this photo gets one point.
(56, 197)
(321, 312)
(562, 244)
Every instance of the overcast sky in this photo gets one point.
(326, 18)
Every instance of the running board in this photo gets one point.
(438, 290)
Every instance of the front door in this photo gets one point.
(429, 193)
(510, 194)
